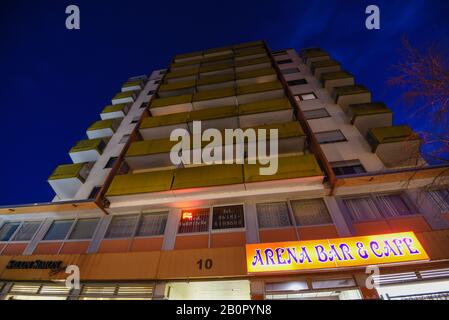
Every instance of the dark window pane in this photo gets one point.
(7, 230)
(110, 162)
(228, 217)
(58, 230)
(297, 82)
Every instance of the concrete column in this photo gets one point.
(344, 227)
(171, 229)
(4, 291)
(160, 291)
(252, 228)
(368, 294)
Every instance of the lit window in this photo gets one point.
(8, 230)
(195, 220)
(122, 226)
(310, 212)
(306, 96)
(316, 114)
(58, 230)
(152, 224)
(27, 231)
(273, 215)
(228, 217)
(330, 136)
(84, 228)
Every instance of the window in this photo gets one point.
(316, 114)
(142, 105)
(151, 92)
(330, 136)
(377, 206)
(441, 199)
(279, 53)
(27, 231)
(290, 71)
(228, 217)
(196, 220)
(347, 167)
(110, 162)
(362, 208)
(58, 230)
(135, 120)
(310, 212)
(84, 228)
(8, 230)
(162, 72)
(297, 82)
(94, 193)
(273, 215)
(306, 96)
(284, 61)
(125, 138)
(157, 81)
(122, 226)
(152, 224)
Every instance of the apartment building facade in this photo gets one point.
(139, 227)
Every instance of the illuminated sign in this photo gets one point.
(187, 215)
(334, 253)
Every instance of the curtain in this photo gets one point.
(27, 231)
(362, 208)
(152, 224)
(441, 199)
(273, 215)
(393, 205)
(310, 212)
(122, 226)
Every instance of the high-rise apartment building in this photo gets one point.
(351, 191)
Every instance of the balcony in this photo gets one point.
(265, 112)
(191, 56)
(254, 52)
(169, 105)
(259, 91)
(256, 76)
(214, 98)
(217, 52)
(138, 183)
(215, 118)
(67, 179)
(133, 85)
(87, 150)
(115, 111)
(226, 177)
(178, 66)
(176, 88)
(314, 54)
(293, 171)
(396, 146)
(330, 80)
(252, 63)
(365, 116)
(182, 75)
(347, 95)
(218, 68)
(213, 82)
(291, 138)
(124, 97)
(162, 126)
(150, 154)
(250, 44)
(324, 66)
(103, 128)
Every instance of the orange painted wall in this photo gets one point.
(317, 232)
(14, 249)
(192, 242)
(47, 248)
(371, 227)
(417, 224)
(228, 239)
(147, 244)
(275, 235)
(114, 245)
(78, 247)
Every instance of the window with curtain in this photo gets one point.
(122, 226)
(195, 220)
(27, 231)
(441, 199)
(7, 230)
(310, 212)
(152, 224)
(58, 230)
(84, 228)
(273, 215)
(228, 217)
(362, 208)
(393, 205)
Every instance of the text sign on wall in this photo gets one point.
(334, 253)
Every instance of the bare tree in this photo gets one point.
(424, 76)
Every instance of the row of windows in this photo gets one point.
(269, 215)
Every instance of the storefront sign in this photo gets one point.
(334, 253)
(36, 264)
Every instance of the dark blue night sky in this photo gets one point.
(54, 82)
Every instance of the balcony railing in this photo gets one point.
(132, 85)
(147, 182)
(114, 111)
(68, 171)
(381, 135)
(124, 97)
(259, 87)
(365, 116)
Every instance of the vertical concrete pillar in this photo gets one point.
(160, 291)
(367, 293)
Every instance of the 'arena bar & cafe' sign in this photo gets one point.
(334, 253)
